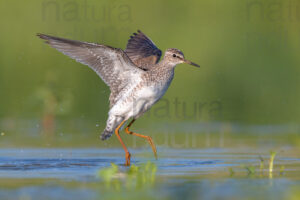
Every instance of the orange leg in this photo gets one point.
(149, 139)
(127, 154)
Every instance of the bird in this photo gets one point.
(136, 76)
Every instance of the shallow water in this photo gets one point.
(209, 173)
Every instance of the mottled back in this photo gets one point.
(142, 51)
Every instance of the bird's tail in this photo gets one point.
(106, 134)
(111, 124)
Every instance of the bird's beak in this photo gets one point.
(191, 63)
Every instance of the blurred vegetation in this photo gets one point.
(263, 173)
(135, 177)
(130, 183)
(247, 51)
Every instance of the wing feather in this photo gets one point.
(111, 64)
(142, 50)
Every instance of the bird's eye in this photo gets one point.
(174, 55)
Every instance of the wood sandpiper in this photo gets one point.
(136, 78)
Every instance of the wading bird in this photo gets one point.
(136, 78)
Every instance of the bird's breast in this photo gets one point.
(151, 93)
(138, 98)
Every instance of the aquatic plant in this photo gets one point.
(135, 177)
(231, 172)
(262, 165)
(271, 161)
(251, 170)
(108, 175)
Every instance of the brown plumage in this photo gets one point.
(142, 50)
(135, 77)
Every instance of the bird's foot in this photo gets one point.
(152, 146)
(127, 157)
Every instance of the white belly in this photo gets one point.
(138, 102)
(147, 97)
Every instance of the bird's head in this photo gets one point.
(175, 56)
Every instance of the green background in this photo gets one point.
(248, 52)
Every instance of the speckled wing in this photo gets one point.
(111, 64)
(142, 51)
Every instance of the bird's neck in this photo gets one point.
(166, 64)
(163, 71)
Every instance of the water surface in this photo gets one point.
(209, 173)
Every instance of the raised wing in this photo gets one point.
(111, 64)
(142, 51)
